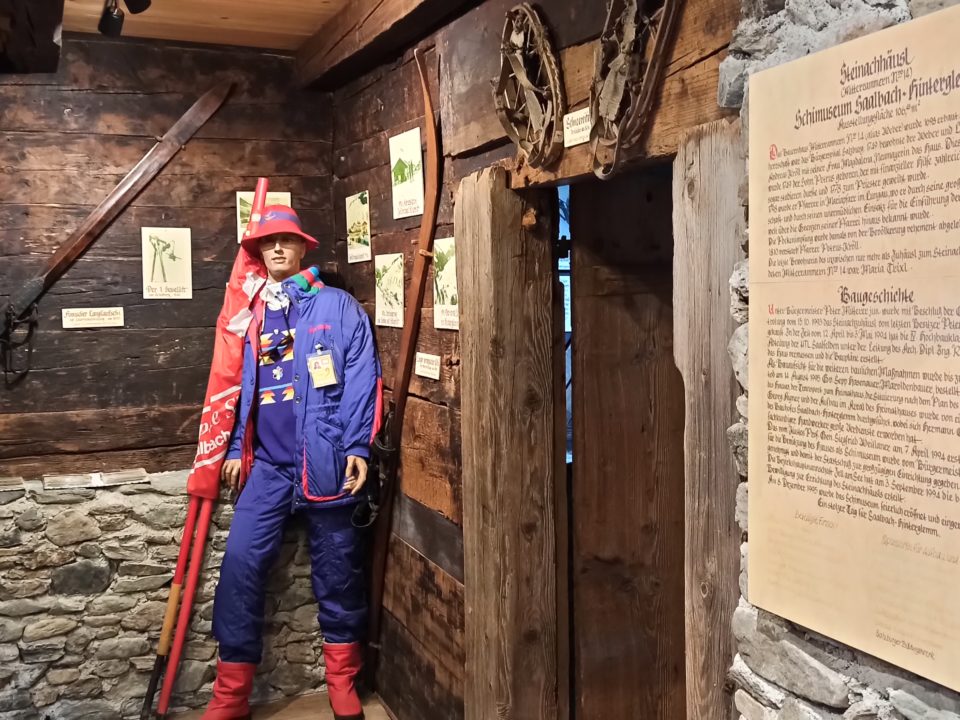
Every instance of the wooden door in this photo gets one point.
(628, 484)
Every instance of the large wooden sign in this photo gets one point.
(855, 344)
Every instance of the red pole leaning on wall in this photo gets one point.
(183, 621)
(163, 647)
(203, 485)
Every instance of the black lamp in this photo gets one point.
(111, 21)
(136, 6)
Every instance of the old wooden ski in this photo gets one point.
(18, 318)
(387, 444)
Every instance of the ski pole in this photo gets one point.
(163, 647)
(183, 619)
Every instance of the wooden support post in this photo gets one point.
(706, 219)
(512, 462)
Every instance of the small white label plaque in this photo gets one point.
(428, 366)
(576, 127)
(74, 318)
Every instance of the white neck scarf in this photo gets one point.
(274, 296)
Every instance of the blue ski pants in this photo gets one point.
(253, 544)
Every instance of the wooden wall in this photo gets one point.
(109, 399)
(424, 619)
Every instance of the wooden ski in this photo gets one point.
(393, 428)
(19, 311)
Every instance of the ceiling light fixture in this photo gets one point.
(111, 20)
(136, 6)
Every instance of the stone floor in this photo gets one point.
(305, 707)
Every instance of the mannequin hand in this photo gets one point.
(356, 474)
(230, 473)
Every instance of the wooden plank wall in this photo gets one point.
(108, 399)
(427, 679)
(421, 672)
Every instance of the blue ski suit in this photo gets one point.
(332, 422)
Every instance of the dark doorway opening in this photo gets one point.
(625, 463)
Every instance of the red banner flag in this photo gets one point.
(223, 387)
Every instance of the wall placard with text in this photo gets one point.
(245, 203)
(855, 344)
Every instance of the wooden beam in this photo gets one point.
(706, 219)
(30, 35)
(367, 31)
(510, 453)
(430, 534)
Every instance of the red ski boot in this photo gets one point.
(343, 661)
(231, 692)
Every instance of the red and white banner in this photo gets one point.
(223, 387)
(226, 370)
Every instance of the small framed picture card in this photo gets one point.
(446, 300)
(388, 271)
(358, 227)
(245, 202)
(406, 174)
(167, 263)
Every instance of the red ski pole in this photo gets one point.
(203, 484)
(163, 647)
(183, 620)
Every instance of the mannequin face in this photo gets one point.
(282, 254)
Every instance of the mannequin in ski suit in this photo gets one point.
(310, 403)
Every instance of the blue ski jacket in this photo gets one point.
(334, 421)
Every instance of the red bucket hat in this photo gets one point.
(277, 219)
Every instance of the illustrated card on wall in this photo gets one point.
(245, 202)
(388, 270)
(358, 227)
(406, 172)
(446, 308)
(167, 263)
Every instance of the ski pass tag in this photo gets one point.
(320, 367)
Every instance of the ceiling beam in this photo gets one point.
(30, 35)
(364, 32)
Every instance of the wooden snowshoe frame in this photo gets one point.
(628, 72)
(529, 93)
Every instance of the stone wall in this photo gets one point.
(783, 671)
(84, 579)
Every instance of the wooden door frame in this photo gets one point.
(501, 237)
(707, 222)
(514, 471)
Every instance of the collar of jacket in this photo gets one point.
(304, 284)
